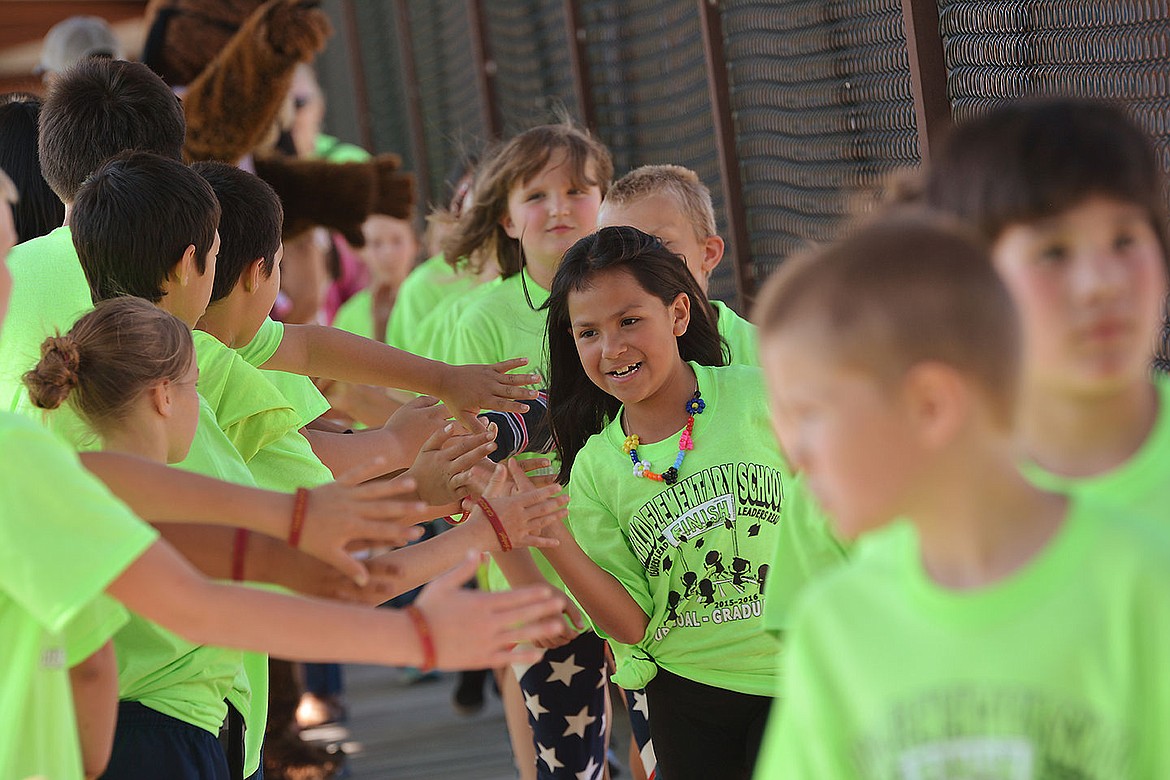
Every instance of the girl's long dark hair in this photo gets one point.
(577, 407)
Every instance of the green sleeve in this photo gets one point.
(477, 340)
(92, 627)
(264, 344)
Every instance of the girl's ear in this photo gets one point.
(160, 398)
(509, 226)
(680, 312)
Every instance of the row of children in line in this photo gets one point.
(890, 358)
(141, 223)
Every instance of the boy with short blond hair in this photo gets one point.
(672, 203)
(998, 630)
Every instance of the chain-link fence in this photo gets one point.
(819, 91)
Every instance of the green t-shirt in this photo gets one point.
(437, 330)
(1141, 484)
(696, 555)
(740, 335)
(1057, 671)
(299, 390)
(255, 415)
(159, 669)
(63, 539)
(357, 316)
(49, 293)
(432, 281)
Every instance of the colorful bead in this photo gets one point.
(686, 442)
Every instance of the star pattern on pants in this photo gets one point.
(640, 704)
(533, 704)
(592, 771)
(564, 671)
(549, 756)
(579, 722)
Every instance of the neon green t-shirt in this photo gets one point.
(430, 282)
(740, 335)
(49, 293)
(696, 555)
(1140, 484)
(159, 669)
(266, 430)
(437, 330)
(356, 315)
(299, 390)
(63, 539)
(1058, 670)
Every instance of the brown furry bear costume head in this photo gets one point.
(236, 59)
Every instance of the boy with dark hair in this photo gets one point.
(92, 111)
(999, 630)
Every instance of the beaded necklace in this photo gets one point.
(694, 406)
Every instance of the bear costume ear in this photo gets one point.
(184, 35)
(338, 196)
(394, 194)
(233, 104)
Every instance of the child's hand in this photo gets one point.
(523, 514)
(477, 630)
(328, 583)
(442, 470)
(348, 511)
(414, 423)
(467, 389)
(572, 624)
(481, 474)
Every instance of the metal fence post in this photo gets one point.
(720, 93)
(928, 72)
(418, 138)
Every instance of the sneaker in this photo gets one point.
(468, 698)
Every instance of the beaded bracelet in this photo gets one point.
(300, 505)
(239, 552)
(494, 519)
(425, 637)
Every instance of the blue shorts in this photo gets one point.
(149, 745)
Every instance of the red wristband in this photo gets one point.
(300, 505)
(425, 637)
(494, 519)
(239, 552)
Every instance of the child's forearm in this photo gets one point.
(94, 683)
(315, 350)
(606, 601)
(420, 563)
(341, 452)
(160, 494)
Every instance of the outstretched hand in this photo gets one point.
(473, 629)
(354, 510)
(442, 470)
(414, 423)
(523, 513)
(468, 389)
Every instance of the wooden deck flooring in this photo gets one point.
(402, 731)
